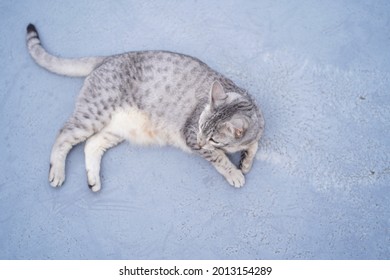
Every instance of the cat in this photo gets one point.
(152, 97)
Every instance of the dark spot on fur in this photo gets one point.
(194, 70)
(140, 105)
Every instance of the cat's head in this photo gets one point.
(230, 121)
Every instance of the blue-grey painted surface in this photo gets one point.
(319, 188)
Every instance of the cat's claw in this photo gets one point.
(236, 178)
(56, 175)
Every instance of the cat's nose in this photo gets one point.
(201, 141)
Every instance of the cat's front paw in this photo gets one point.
(246, 162)
(245, 166)
(56, 175)
(235, 178)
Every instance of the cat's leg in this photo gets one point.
(247, 157)
(73, 132)
(94, 150)
(224, 166)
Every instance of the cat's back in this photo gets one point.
(161, 71)
(162, 61)
(161, 82)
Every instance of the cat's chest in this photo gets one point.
(137, 127)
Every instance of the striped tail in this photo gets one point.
(63, 66)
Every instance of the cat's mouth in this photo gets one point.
(203, 144)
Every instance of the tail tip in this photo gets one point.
(31, 28)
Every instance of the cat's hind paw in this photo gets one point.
(94, 182)
(56, 175)
(95, 187)
(235, 178)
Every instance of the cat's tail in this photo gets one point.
(64, 66)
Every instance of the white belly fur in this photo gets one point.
(136, 127)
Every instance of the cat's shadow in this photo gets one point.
(235, 158)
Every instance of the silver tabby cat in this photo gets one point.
(153, 97)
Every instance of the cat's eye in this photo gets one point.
(216, 143)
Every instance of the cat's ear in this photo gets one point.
(217, 94)
(237, 127)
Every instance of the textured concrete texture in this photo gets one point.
(319, 188)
